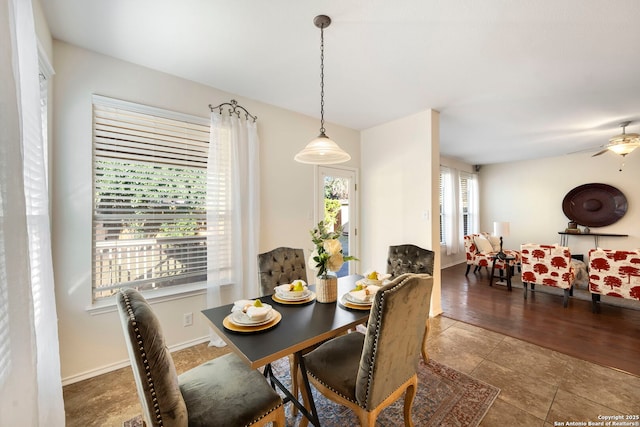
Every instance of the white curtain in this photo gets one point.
(451, 209)
(233, 211)
(30, 382)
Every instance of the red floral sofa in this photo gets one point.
(548, 265)
(480, 256)
(613, 273)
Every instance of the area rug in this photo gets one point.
(446, 397)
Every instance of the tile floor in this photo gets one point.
(539, 387)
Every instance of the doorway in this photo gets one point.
(336, 204)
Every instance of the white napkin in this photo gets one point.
(382, 277)
(251, 310)
(240, 304)
(366, 294)
(286, 289)
(258, 313)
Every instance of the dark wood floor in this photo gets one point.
(609, 338)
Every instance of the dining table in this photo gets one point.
(298, 327)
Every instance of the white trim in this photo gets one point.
(124, 363)
(352, 174)
(145, 109)
(108, 305)
(44, 63)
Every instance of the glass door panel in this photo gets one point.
(336, 205)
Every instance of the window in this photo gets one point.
(149, 187)
(465, 186)
(458, 207)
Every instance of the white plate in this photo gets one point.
(241, 319)
(306, 294)
(284, 290)
(355, 301)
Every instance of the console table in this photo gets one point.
(564, 236)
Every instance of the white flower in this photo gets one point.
(332, 246)
(335, 261)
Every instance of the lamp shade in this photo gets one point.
(501, 229)
(625, 147)
(624, 143)
(322, 151)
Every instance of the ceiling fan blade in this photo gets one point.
(600, 152)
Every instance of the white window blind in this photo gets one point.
(464, 201)
(149, 215)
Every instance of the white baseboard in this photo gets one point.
(124, 363)
(451, 264)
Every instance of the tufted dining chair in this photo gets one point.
(221, 392)
(368, 372)
(409, 259)
(280, 266)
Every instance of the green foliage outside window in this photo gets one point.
(331, 209)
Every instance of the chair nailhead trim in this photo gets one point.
(143, 355)
(375, 343)
(334, 390)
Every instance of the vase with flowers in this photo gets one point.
(327, 258)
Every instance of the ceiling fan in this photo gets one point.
(622, 144)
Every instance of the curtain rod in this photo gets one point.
(234, 109)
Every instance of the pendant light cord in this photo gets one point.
(322, 80)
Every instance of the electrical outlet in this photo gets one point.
(187, 319)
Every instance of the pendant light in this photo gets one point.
(322, 150)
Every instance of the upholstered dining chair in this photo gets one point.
(280, 266)
(221, 392)
(409, 259)
(368, 372)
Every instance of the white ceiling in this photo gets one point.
(512, 79)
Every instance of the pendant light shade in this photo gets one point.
(322, 150)
(622, 144)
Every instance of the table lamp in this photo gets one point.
(501, 229)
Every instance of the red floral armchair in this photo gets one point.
(548, 265)
(483, 257)
(613, 273)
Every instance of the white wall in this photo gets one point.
(529, 195)
(399, 162)
(92, 343)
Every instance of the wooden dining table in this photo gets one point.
(301, 326)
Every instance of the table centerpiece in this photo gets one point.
(327, 259)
